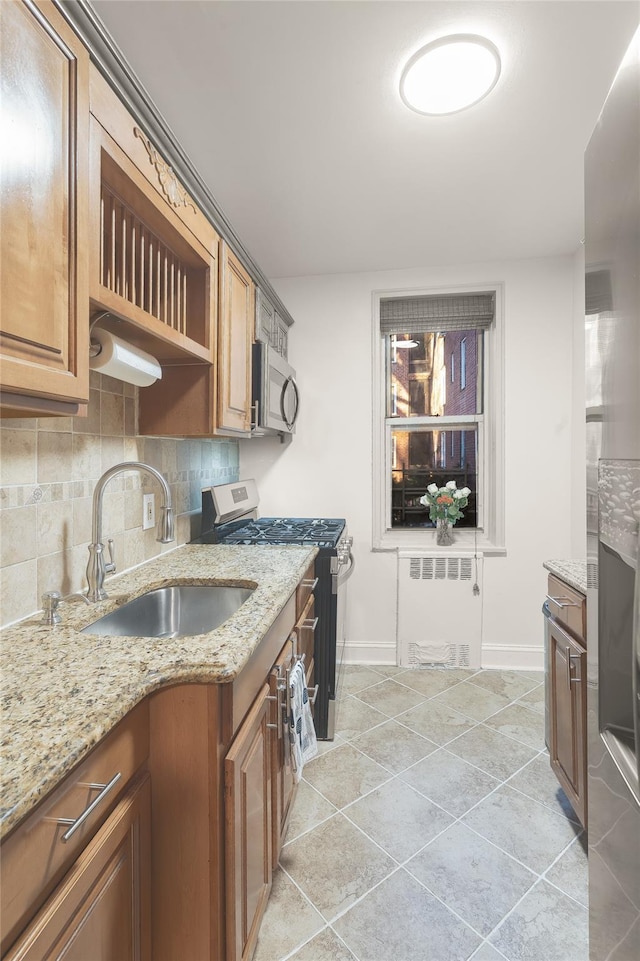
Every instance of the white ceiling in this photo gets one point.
(290, 113)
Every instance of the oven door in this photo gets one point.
(275, 393)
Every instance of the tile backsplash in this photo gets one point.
(48, 472)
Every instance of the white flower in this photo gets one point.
(465, 491)
(432, 489)
(424, 500)
(457, 495)
(451, 485)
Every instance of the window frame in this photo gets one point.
(463, 363)
(489, 536)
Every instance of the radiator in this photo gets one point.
(439, 611)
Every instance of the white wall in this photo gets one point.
(326, 470)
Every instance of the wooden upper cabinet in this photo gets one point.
(198, 401)
(153, 253)
(44, 303)
(235, 336)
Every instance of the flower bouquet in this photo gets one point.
(445, 508)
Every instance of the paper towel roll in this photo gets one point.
(123, 361)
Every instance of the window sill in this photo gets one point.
(424, 542)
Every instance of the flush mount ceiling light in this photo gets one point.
(450, 74)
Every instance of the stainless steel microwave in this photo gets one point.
(276, 400)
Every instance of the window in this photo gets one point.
(430, 427)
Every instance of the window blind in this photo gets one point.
(414, 315)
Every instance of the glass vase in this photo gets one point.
(444, 532)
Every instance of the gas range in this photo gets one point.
(230, 516)
(323, 532)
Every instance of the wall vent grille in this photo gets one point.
(441, 568)
(443, 655)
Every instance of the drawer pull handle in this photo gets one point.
(76, 823)
(313, 693)
(273, 727)
(310, 584)
(567, 601)
(569, 657)
(311, 623)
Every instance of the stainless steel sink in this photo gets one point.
(172, 612)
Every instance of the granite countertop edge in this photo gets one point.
(573, 572)
(62, 691)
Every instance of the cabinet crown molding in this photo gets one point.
(171, 188)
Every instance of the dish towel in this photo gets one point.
(302, 733)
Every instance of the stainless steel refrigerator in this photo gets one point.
(612, 288)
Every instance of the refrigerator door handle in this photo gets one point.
(635, 669)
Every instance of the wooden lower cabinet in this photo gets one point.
(283, 779)
(212, 767)
(568, 715)
(100, 911)
(248, 826)
(183, 875)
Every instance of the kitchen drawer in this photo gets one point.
(306, 630)
(34, 856)
(305, 589)
(568, 607)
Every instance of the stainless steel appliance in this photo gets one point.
(275, 396)
(612, 185)
(230, 516)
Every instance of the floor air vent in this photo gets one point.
(439, 617)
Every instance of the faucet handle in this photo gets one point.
(110, 566)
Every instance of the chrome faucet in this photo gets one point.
(97, 567)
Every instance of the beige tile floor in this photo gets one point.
(431, 829)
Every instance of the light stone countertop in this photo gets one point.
(63, 691)
(574, 573)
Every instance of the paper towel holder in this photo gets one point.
(112, 355)
(94, 346)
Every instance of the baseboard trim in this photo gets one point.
(375, 652)
(496, 657)
(512, 657)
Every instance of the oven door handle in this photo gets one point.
(351, 561)
(338, 577)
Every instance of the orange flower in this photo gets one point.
(444, 499)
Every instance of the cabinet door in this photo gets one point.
(44, 301)
(247, 773)
(283, 780)
(101, 909)
(237, 298)
(568, 714)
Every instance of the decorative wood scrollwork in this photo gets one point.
(171, 188)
